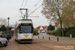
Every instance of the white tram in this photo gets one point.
(24, 30)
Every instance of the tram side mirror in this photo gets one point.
(18, 28)
(20, 31)
(32, 29)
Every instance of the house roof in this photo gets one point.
(43, 28)
(56, 24)
(39, 27)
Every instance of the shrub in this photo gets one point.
(51, 32)
(71, 31)
(58, 33)
(35, 31)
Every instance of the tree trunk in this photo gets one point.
(60, 21)
(61, 28)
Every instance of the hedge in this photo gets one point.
(35, 31)
(67, 32)
(51, 32)
(71, 31)
(58, 33)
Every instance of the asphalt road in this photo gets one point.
(37, 44)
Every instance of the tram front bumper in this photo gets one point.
(26, 40)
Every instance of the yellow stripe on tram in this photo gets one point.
(26, 37)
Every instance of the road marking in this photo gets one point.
(38, 47)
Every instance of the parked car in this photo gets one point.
(3, 41)
(7, 36)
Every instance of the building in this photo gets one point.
(42, 29)
(57, 26)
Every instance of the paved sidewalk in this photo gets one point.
(58, 43)
(61, 39)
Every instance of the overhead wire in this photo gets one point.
(24, 7)
(35, 4)
(19, 11)
(16, 16)
(21, 6)
(25, 3)
(22, 3)
(31, 8)
(35, 10)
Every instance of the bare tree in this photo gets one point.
(3, 22)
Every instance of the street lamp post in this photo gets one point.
(8, 24)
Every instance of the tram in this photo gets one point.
(24, 30)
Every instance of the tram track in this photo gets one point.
(44, 43)
(44, 46)
(26, 47)
(38, 47)
(51, 42)
(37, 44)
(32, 46)
(2, 48)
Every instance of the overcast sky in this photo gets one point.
(10, 8)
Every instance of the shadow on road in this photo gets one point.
(2, 46)
(26, 42)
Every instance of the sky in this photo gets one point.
(10, 8)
